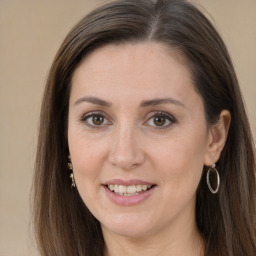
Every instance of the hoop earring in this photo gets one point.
(214, 191)
(70, 167)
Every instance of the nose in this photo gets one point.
(126, 150)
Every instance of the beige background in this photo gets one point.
(30, 34)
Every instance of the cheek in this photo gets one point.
(87, 157)
(180, 161)
(84, 148)
(87, 165)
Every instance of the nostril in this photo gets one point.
(126, 159)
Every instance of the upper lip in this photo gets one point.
(127, 182)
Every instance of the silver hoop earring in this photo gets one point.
(70, 167)
(212, 168)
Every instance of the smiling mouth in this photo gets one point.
(132, 190)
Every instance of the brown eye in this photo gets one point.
(95, 120)
(159, 121)
(98, 120)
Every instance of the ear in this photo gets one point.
(217, 138)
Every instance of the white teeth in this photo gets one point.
(129, 194)
(138, 188)
(122, 189)
(131, 189)
(116, 188)
(128, 190)
(144, 187)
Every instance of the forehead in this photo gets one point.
(145, 69)
(120, 55)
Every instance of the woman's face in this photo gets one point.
(137, 137)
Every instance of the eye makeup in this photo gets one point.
(156, 120)
(160, 120)
(95, 119)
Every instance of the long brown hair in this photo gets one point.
(63, 224)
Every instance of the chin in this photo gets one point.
(128, 226)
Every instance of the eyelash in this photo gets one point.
(85, 118)
(167, 117)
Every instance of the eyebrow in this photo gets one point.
(155, 102)
(93, 100)
(145, 103)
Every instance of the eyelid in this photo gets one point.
(166, 115)
(160, 113)
(84, 117)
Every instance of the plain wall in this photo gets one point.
(30, 34)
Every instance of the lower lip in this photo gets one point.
(128, 200)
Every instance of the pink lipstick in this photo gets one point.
(128, 192)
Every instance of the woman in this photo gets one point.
(144, 144)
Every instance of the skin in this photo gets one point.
(128, 143)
